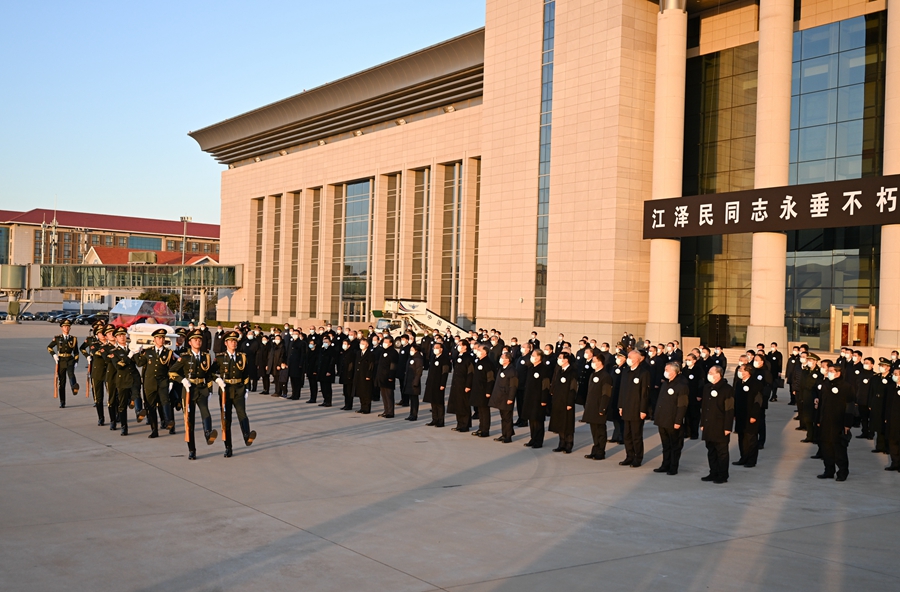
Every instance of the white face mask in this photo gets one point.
(703, 355)
(312, 346)
(346, 346)
(831, 376)
(533, 361)
(604, 349)
(711, 378)
(718, 352)
(690, 363)
(436, 352)
(630, 362)
(757, 364)
(668, 375)
(597, 367)
(893, 358)
(277, 342)
(855, 359)
(772, 349)
(811, 364)
(867, 366)
(896, 378)
(559, 362)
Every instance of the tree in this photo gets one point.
(171, 300)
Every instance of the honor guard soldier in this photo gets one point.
(122, 367)
(95, 350)
(196, 370)
(234, 385)
(66, 358)
(156, 362)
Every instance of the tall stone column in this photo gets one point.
(888, 313)
(773, 140)
(668, 158)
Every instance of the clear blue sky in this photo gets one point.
(97, 97)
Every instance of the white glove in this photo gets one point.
(56, 358)
(76, 365)
(246, 394)
(131, 354)
(186, 383)
(221, 383)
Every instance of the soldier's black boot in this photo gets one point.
(113, 419)
(192, 454)
(249, 435)
(100, 415)
(209, 433)
(154, 427)
(123, 417)
(228, 453)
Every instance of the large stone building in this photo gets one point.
(502, 175)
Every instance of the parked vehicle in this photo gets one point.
(26, 316)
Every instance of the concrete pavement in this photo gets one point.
(331, 500)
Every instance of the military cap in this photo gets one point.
(109, 329)
(195, 334)
(884, 361)
(66, 323)
(121, 331)
(158, 333)
(232, 336)
(812, 356)
(181, 331)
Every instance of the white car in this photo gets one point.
(140, 335)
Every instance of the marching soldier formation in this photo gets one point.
(686, 395)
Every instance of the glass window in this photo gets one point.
(145, 242)
(820, 41)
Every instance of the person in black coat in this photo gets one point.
(346, 367)
(522, 363)
(563, 392)
(892, 420)
(775, 361)
(482, 385)
(655, 363)
(402, 363)
(695, 380)
(458, 401)
(537, 397)
(836, 404)
(218, 340)
(634, 401)
(763, 377)
(503, 397)
(584, 372)
(385, 375)
(864, 383)
(878, 397)
(277, 360)
(207, 338)
(412, 381)
(596, 404)
(363, 377)
(671, 408)
(616, 372)
(748, 401)
(262, 365)
(717, 423)
(436, 383)
(325, 365)
(297, 363)
(256, 352)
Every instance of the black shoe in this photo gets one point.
(600, 457)
(381, 415)
(625, 462)
(590, 456)
(310, 401)
(806, 440)
(891, 468)
(264, 392)
(761, 447)
(387, 416)
(817, 456)
(738, 463)
(228, 453)
(124, 432)
(430, 423)
(675, 472)
(800, 428)
(720, 481)
(635, 465)
(875, 451)
(707, 478)
(661, 470)
(535, 447)
(171, 425)
(153, 434)
(324, 404)
(437, 425)
(566, 451)
(345, 408)
(211, 437)
(141, 415)
(476, 433)
(112, 427)
(192, 455)
(250, 438)
(498, 439)
(521, 423)
(62, 405)
(749, 466)
(172, 431)
(824, 476)
(462, 431)
(488, 435)
(527, 444)
(841, 478)
(178, 406)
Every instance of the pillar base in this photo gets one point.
(662, 332)
(766, 334)
(887, 339)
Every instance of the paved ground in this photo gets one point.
(329, 500)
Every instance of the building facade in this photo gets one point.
(51, 237)
(502, 176)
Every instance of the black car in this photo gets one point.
(26, 316)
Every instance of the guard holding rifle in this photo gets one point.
(197, 370)
(234, 384)
(94, 350)
(66, 358)
(157, 361)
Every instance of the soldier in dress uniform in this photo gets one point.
(717, 423)
(123, 369)
(94, 351)
(64, 350)
(197, 371)
(835, 420)
(671, 408)
(436, 383)
(156, 362)
(634, 401)
(482, 385)
(175, 387)
(503, 396)
(458, 401)
(233, 369)
(563, 392)
(596, 404)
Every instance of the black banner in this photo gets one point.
(856, 202)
